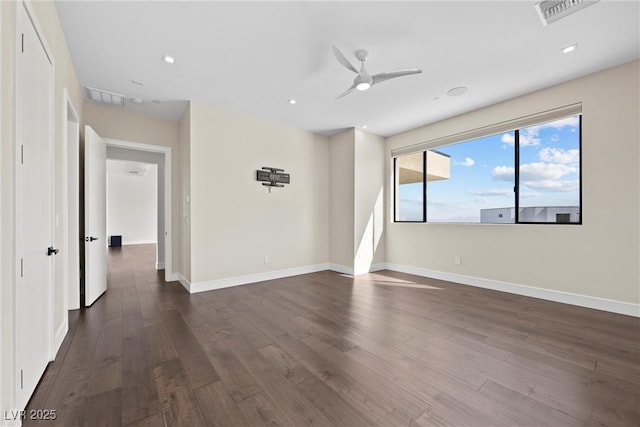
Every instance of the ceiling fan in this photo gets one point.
(364, 80)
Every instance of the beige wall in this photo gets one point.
(342, 193)
(119, 124)
(185, 193)
(368, 216)
(64, 77)
(235, 221)
(598, 258)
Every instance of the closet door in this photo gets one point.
(34, 183)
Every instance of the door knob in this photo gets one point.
(90, 239)
(51, 251)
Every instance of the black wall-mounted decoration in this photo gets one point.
(275, 177)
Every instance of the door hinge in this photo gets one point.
(22, 47)
(21, 379)
(21, 267)
(22, 154)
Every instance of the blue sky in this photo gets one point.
(482, 174)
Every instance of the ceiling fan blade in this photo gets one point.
(393, 74)
(347, 92)
(341, 59)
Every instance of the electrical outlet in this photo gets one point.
(457, 260)
(266, 259)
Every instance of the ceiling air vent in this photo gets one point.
(103, 96)
(554, 10)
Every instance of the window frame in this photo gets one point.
(424, 148)
(424, 190)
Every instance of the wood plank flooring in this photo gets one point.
(324, 349)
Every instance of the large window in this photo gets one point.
(527, 175)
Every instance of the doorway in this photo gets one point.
(71, 203)
(161, 157)
(154, 154)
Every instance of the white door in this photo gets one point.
(95, 216)
(34, 259)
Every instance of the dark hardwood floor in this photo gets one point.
(324, 349)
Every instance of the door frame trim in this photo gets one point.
(67, 107)
(32, 16)
(169, 275)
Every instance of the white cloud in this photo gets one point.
(539, 171)
(528, 137)
(468, 162)
(481, 200)
(553, 185)
(555, 138)
(531, 195)
(503, 173)
(508, 138)
(492, 192)
(558, 155)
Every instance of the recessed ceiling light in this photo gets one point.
(437, 98)
(292, 101)
(363, 126)
(169, 59)
(569, 49)
(137, 101)
(457, 91)
(135, 82)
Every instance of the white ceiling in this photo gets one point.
(251, 57)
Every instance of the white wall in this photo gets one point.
(368, 216)
(599, 258)
(342, 193)
(235, 221)
(132, 203)
(184, 193)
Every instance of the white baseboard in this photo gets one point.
(138, 242)
(59, 337)
(250, 278)
(603, 304)
(377, 267)
(183, 281)
(159, 265)
(339, 268)
(171, 277)
(363, 270)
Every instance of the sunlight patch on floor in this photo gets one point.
(381, 280)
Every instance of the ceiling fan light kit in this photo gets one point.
(364, 80)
